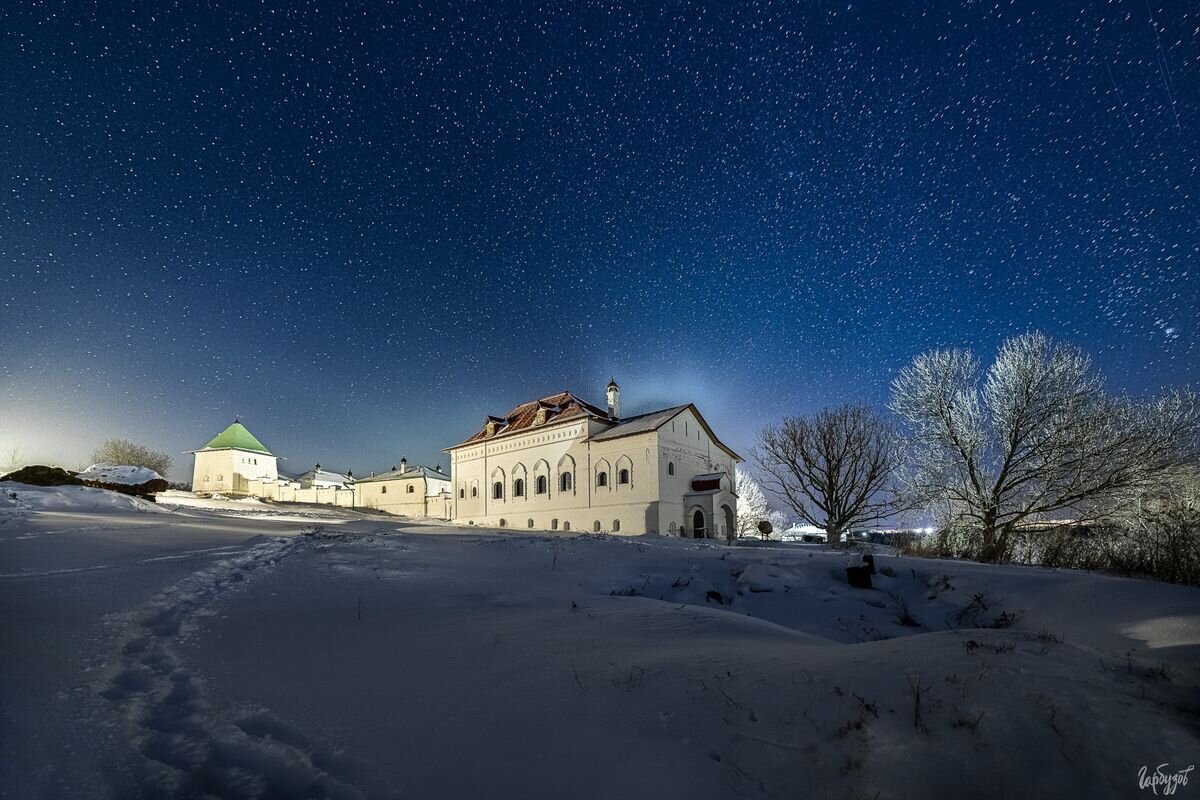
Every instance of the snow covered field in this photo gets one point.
(239, 649)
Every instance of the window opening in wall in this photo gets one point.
(565, 482)
(670, 467)
(542, 484)
(616, 525)
(497, 490)
(623, 476)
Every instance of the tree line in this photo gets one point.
(991, 453)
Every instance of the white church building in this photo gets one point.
(228, 463)
(561, 463)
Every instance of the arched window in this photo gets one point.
(519, 487)
(623, 477)
(564, 482)
(503, 523)
(616, 525)
(462, 493)
(383, 490)
(497, 491)
(220, 477)
(543, 485)
(531, 523)
(596, 526)
(566, 526)
(474, 491)
(554, 524)
(602, 479)
(670, 467)
(671, 528)
(411, 488)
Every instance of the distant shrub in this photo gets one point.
(122, 452)
(1161, 543)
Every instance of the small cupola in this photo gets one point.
(614, 399)
(403, 463)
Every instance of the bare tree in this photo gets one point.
(15, 458)
(751, 503)
(1034, 436)
(125, 453)
(834, 469)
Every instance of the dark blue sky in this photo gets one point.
(362, 227)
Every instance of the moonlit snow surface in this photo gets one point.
(219, 649)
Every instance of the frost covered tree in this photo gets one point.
(1032, 436)
(751, 503)
(834, 469)
(779, 523)
(122, 452)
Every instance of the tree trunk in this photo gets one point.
(993, 545)
(833, 534)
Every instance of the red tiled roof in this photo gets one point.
(559, 408)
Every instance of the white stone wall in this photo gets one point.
(230, 471)
(403, 496)
(284, 491)
(684, 443)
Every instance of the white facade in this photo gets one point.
(229, 471)
(408, 491)
(562, 464)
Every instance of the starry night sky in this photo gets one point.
(363, 227)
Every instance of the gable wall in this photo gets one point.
(230, 471)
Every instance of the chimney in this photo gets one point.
(403, 464)
(614, 399)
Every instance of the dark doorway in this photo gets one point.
(698, 525)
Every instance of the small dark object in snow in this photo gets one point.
(859, 577)
(869, 560)
(891, 573)
(713, 594)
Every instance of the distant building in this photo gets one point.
(416, 491)
(228, 463)
(561, 463)
(317, 478)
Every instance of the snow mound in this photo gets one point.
(20, 497)
(116, 473)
